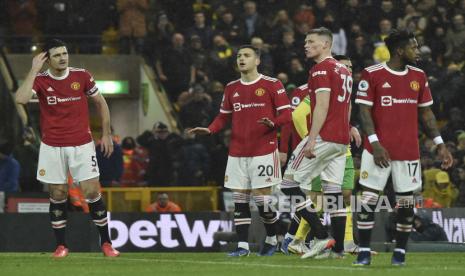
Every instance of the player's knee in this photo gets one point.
(58, 194)
(91, 195)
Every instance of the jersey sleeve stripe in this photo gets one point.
(225, 111)
(283, 107)
(33, 91)
(426, 104)
(364, 102)
(323, 89)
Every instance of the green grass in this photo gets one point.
(217, 264)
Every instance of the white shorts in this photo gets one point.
(247, 173)
(56, 162)
(329, 164)
(406, 175)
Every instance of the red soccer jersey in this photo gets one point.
(247, 103)
(64, 114)
(395, 98)
(332, 75)
(288, 132)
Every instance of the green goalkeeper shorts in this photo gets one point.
(349, 177)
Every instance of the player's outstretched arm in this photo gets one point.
(24, 92)
(380, 154)
(199, 130)
(429, 123)
(102, 109)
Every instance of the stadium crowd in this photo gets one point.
(192, 50)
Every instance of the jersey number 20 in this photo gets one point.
(346, 87)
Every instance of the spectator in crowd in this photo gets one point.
(159, 34)
(88, 26)
(285, 51)
(387, 11)
(353, 12)
(266, 59)
(281, 23)
(132, 25)
(304, 15)
(195, 108)
(162, 146)
(460, 183)
(163, 205)
(201, 29)
(230, 28)
(199, 60)
(297, 73)
(443, 192)
(426, 229)
(455, 40)
(319, 10)
(381, 53)
(111, 168)
(57, 20)
(195, 162)
(9, 168)
(216, 94)
(175, 68)
(222, 59)
(254, 23)
(135, 162)
(455, 123)
(23, 19)
(339, 35)
(27, 154)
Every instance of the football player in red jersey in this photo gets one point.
(257, 105)
(66, 139)
(322, 152)
(392, 96)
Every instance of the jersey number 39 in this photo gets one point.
(346, 87)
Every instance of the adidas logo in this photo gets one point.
(236, 95)
(386, 85)
(50, 89)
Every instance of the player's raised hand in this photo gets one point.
(446, 156)
(107, 145)
(309, 150)
(199, 130)
(380, 155)
(355, 136)
(38, 61)
(266, 121)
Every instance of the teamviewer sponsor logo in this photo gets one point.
(386, 101)
(239, 106)
(51, 100)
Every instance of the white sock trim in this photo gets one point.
(271, 240)
(399, 250)
(244, 245)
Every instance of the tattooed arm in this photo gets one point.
(380, 154)
(429, 123)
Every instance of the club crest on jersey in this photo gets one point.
(75, 86)
(41, 172)
(260, 92)
(415, 86)
(364, 175)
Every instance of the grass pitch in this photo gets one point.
(217, 264)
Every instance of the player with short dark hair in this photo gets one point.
(66, 138)
(392, 96)
(252, 103)
(322, 152)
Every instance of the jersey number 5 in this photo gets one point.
(346, 87)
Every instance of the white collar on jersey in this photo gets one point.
(402, 73)
(58, 78)
(251, 82)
